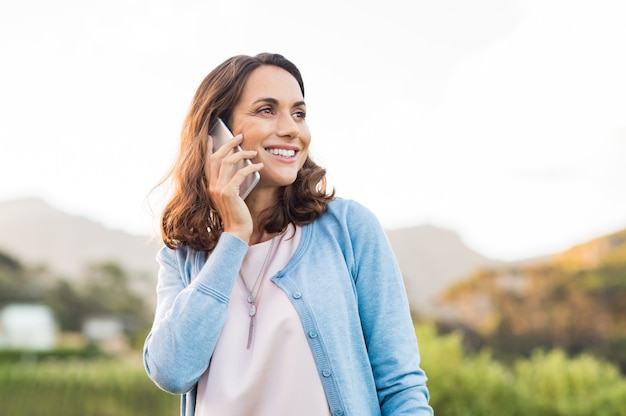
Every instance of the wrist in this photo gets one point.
(240, 234)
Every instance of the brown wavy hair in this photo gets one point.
(189, 218)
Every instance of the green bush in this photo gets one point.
(461, 385)
(30, 356)
(547, 384)
(579, 386)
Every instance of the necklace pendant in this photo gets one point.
(256, 290)
(250, 330)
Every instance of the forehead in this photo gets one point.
(270, 81)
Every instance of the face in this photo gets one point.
(271, 116)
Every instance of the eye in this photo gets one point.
(265, 110)
(300, 114)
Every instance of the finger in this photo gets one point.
(240, 176)
(209, 147)
(248, 170)
(222, 171)
(226, 149)
(232, 173)
(232, 164)
(207, 156)
(228, 146)
(213, 159)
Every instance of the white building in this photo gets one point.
(107, 332)
(28, 326)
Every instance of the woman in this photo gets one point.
(289, 302)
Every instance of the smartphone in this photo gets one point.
(221, 134)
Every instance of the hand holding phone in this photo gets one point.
(221, 134)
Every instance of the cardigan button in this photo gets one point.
(312, 334)
(297, 295)
(326, 373)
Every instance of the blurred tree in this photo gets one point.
(16, 284)
(577, 302)
(69, 306)
(104, 290)
(107, 291)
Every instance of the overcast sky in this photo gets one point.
(504, 121)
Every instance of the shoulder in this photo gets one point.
(174, 255)
(181, 260)
(351, 213)
(350, 210)
(346, 219)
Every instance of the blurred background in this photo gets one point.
(489, 138)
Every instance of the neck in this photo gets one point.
(257, 202)
(260, 237)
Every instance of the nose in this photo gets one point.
(287, 126)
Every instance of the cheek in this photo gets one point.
(305, 136)
(251, 134)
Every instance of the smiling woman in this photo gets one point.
(267, 118)
(247, 323)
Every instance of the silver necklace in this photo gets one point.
(254, 292)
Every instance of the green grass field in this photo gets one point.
(546, 384)
(87, 388)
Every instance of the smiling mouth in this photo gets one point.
(281, 152)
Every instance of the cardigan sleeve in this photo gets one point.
(190, 312)
(385, 318)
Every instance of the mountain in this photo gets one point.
(431, 258)
(38, 234)
(609, 250)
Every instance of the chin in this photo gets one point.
(284, 179)
(288, 182)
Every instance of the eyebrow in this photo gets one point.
(275, 101)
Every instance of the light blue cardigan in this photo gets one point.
(345, 284)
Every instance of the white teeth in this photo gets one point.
(282, 152)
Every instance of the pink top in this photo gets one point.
(277, 375)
